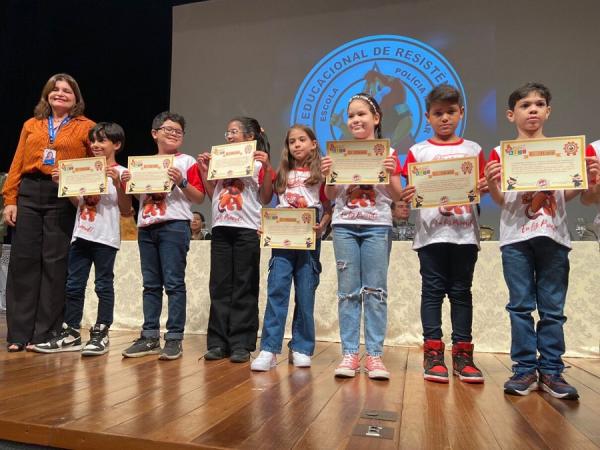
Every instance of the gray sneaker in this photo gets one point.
(142, 347)
(172, 350)
(68, 340)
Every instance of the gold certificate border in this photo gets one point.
(63, 191)
(130, 188)
(242, 173)
(476, 199)
(530, 188)
(263, 236)
(357, 143)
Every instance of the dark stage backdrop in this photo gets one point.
(119, 51)
(286, 61)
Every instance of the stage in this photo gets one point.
(67, 401)
(491, 328)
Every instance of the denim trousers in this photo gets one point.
(447, 269)
(362, 254)
(163, 252)
(536, 272)
(82, 255)
(303, 268)
(234, 281)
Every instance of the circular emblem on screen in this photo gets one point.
(397, 71)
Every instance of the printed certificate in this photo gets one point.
(149, 174)
(444, 182)
(290, 228)
(544, 164)
(232, 160)
(82, 176)
(358, 161)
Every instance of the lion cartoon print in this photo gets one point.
(230, 197)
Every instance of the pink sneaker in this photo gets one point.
(349, 366)
(375, 368)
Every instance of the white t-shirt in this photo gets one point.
(526, 215)
(594, 150)
(98, 216)
(174, 205)
(236, 201)
(299, 195)
(364, 204)
(449, 224)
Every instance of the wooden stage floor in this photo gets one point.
(108, 402)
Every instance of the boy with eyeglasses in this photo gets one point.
(164, 240)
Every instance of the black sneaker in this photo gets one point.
(216, 353)
(240, 355)
(98, 343)
(172, 350)
(557, 387)
(68, 340)
(142, 347)
(521, 384)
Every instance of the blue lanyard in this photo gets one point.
(52, 133)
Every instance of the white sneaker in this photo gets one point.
(264, 362)
(299, 359)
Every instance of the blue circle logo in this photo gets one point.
(397, 71)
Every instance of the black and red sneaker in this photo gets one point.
(463, 365)
(433, 361)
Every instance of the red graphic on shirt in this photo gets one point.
(539, 203)
(88, 209)
(456, 210)
(154, 205)
(360, 196)
(230, 197)
(296, 200)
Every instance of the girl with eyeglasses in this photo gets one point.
(235, 249)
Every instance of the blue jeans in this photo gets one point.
(362, 254)
(447, 269)
(303, 267)
(163, 253)
(537, 275)
(82, 254)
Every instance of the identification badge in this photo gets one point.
(49, 158)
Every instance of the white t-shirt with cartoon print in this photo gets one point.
(174, 205)
(526, 215)
(300, 195)
(236, 201)
(98, 216)
(448, 224)
(594, 150)
(358, 204)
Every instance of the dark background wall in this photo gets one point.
(119, 51)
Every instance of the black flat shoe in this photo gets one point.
(15, 347)
(215, 354)
(240, 355)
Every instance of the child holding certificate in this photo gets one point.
(164, 240)
(96, 240)
(535, 245)
(235, 247)
(447, 242)
(362, 228)
(299, 184)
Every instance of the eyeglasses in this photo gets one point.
(172, 131)
(231, 133)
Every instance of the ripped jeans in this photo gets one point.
(362, 253)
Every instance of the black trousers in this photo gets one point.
(37, 272)
(234, 279)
